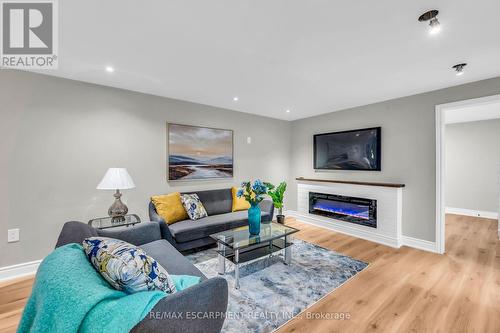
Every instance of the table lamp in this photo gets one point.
(116, 179)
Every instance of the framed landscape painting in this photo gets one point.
(199, 152)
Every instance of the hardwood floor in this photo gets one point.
(403, 290)
(13, 297)
(407, 290)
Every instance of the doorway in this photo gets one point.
(480, 110)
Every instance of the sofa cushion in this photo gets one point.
(127, 267)
(239, 203)
(185, 231)
(169, 207)
(171, 259)
(193, 206)
(216, 201)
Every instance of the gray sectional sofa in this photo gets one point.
(189, 234)
(209, 296)
(163, 242)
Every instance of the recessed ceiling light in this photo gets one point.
(110, 69)
(236, 99)
(459, 68)
(434, 24)
(287, 111)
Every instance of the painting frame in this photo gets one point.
(227, 169)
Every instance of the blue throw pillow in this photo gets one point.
(127, 267)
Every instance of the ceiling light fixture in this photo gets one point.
(110, 69)
(434, 24)
(287, 111)
(235, 98)
(459, 68)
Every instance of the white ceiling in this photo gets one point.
(309, 56)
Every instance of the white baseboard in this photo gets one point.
(419, 244)
(346, 229)
(416, 243)
(19, 270)
(471, 212)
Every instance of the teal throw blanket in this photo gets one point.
(69, 295)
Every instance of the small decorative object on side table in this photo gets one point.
(117, 179)
(110, 222)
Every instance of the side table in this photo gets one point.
(110, 222)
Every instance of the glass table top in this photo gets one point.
(110, 222)
(240, 237)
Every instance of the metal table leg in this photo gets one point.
(236, 269)
(221, 265)
(288, 251)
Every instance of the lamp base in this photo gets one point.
(117, 220)
(118, 209)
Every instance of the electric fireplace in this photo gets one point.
(350, 209)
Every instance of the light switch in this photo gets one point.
(12, 235)
(249, 140)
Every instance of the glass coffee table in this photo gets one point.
(239, 246)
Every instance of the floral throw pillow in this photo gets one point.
(127, 267)
(194, 207)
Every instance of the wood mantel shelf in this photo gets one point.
(350, 182)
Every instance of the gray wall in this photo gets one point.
(60, 136)
(473, 165)
(408, 148)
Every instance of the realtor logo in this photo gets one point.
(29, 34)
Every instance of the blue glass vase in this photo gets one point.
(254, 219)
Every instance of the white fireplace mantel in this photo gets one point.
(389, 208)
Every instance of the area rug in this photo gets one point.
(271, 293)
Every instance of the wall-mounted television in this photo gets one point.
(349, 150)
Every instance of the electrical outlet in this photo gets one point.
(12, 235)
(249, 140)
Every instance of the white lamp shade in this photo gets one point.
(116, 179)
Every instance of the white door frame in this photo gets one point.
(441, 163)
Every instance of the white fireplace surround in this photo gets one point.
(389, 210)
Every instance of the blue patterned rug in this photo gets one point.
(271, 292)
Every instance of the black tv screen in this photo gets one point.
(348, 150)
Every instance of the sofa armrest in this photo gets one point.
(138, 234)
(153, 215)
(75, 232)
(198, 309)
(267, 206)
(165, 231)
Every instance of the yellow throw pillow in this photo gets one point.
(238, 203)
(169, 207)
